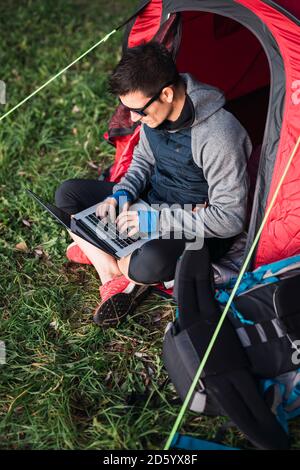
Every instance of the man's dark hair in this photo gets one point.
(145, 68)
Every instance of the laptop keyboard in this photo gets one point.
(109, 230)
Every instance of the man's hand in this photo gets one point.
(128, 220)
(107, 209)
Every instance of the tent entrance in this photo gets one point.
(222, 52)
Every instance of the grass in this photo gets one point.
(67, 384)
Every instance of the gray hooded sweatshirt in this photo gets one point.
(220, 147)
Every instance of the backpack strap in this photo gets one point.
(283, 395)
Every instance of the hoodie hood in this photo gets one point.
(206, 99)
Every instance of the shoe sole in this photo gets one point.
(116, 308)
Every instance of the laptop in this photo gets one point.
(105, 236)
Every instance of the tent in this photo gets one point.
(251, 50)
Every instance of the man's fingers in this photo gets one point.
(98, 209)
(127, 220)
(106, 208)
(125, 206)
(126, 215)
(112, 213)
(101, 210)
(127, 224)
(132, 232)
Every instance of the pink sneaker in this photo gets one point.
(76, 255)
(119, 297)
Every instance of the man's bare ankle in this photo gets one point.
(109, 276)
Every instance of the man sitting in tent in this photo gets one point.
(191, 152)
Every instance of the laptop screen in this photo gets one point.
(61, 216)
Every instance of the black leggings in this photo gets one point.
(156, 260)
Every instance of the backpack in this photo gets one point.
(253, 372)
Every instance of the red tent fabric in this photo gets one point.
(281, 235)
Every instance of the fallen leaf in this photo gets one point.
(75, 109)
(159, 317)
(140, 354)
(21, 246)
(107, 378)
(39, 252)
(16, 74)
(54, 324)
(92, 164)
(26, 223)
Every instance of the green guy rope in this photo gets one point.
(139, 10)
(58, 74)
(214, 337)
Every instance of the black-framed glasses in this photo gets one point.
(141, 111)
